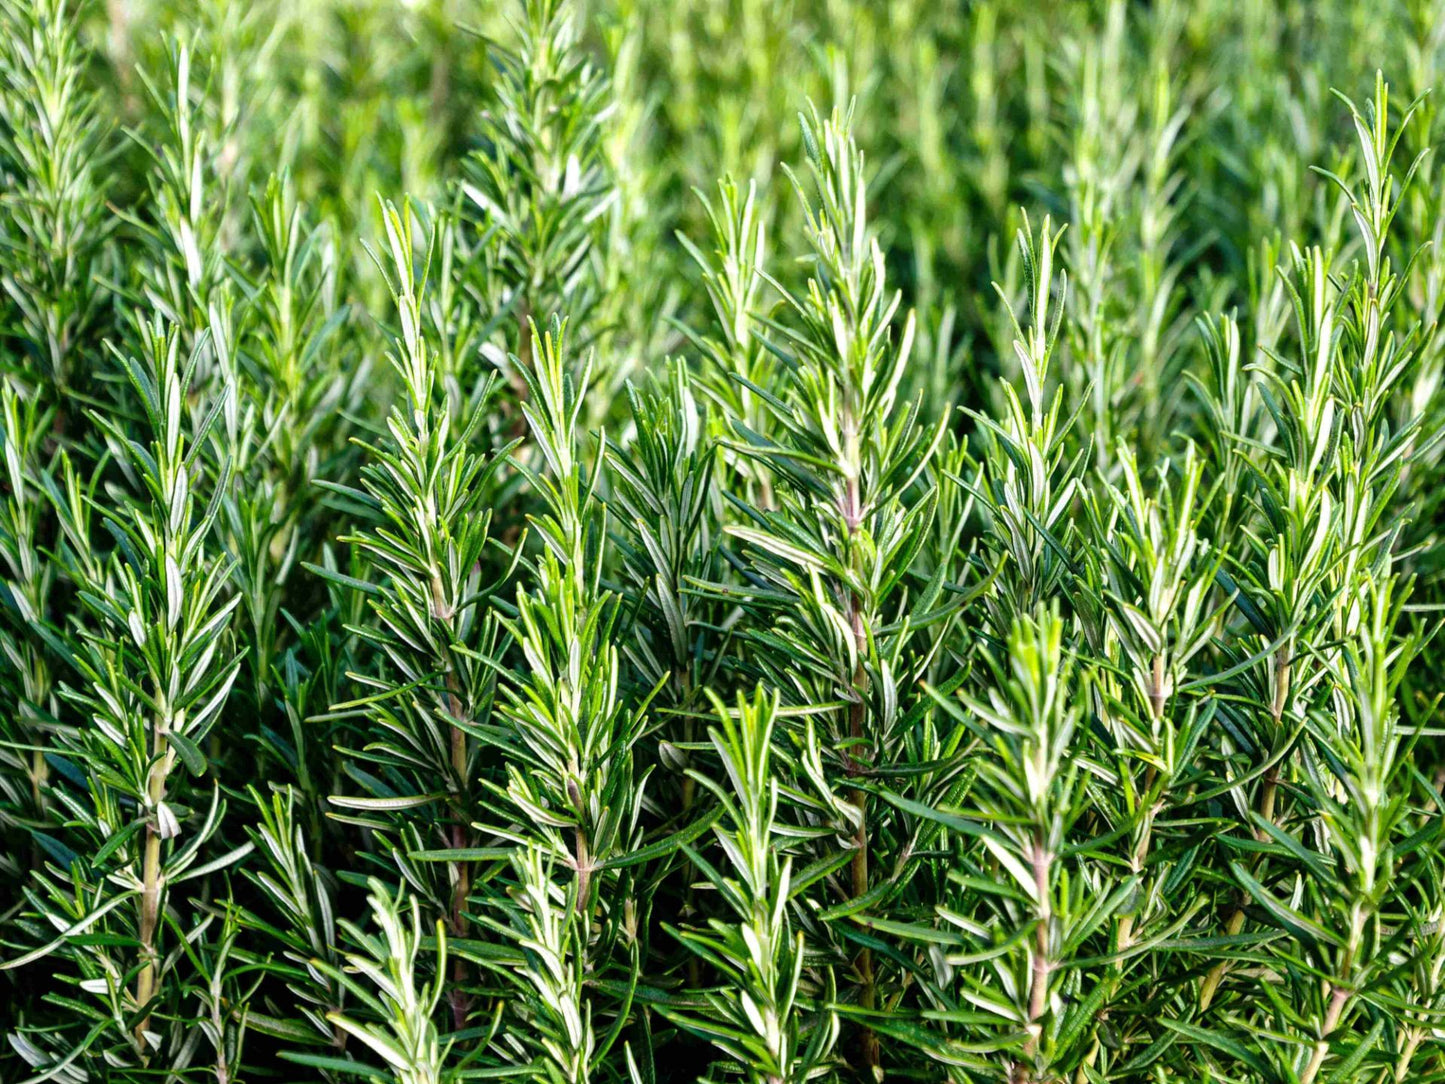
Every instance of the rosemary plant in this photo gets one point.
(721, 540)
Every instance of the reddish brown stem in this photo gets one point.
(584, 872)
(461, 1004)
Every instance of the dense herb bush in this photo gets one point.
(524, 553)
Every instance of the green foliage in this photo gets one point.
(721, 540)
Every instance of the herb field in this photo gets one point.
(764, 540)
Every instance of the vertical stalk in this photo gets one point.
(867, 994)
(461, 838)
(39, 776)
(1339, 998)
(584, 873)
(1125, 936)
(1158, 694)
(869, 1052)
(582, 853)
(149, 914)
(1407, 1055)
(518, 377)
(1265, 806)
(689, 795)
(1041, 862)
(150, 901)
